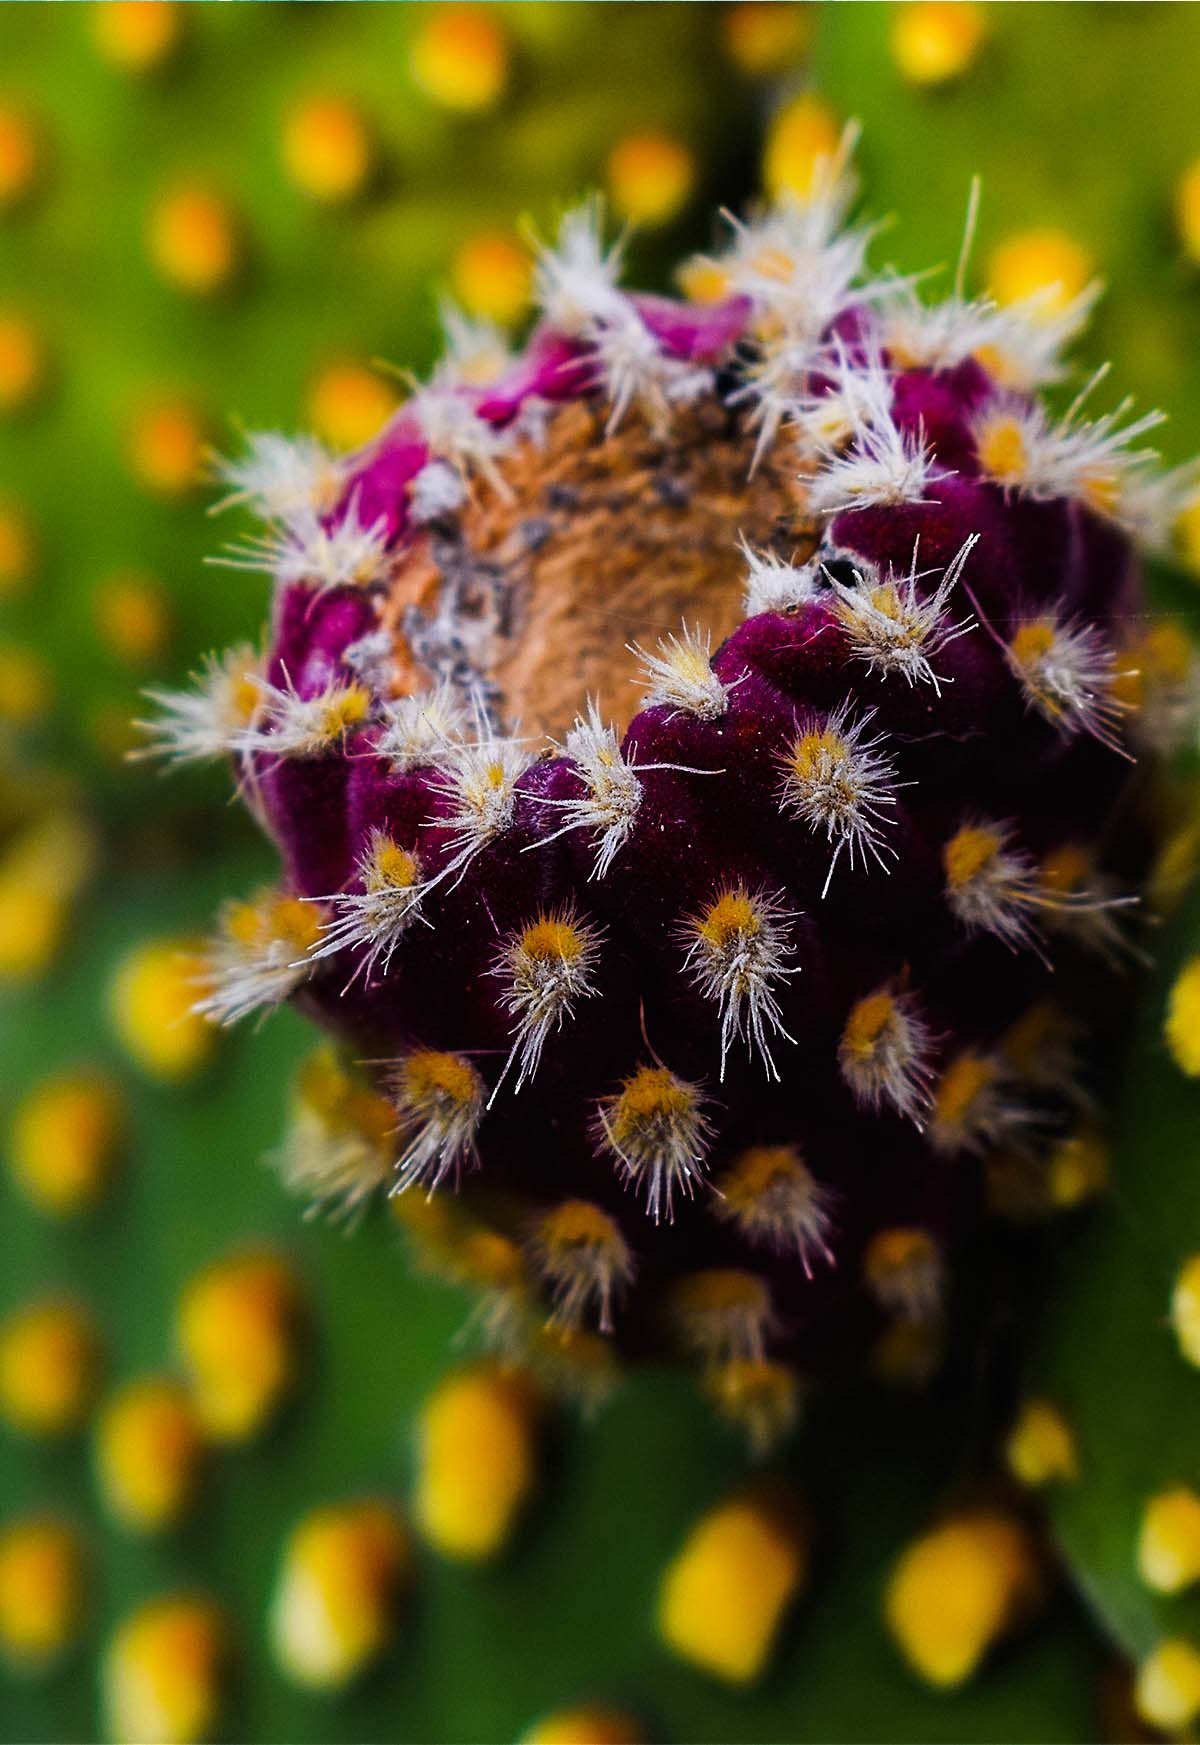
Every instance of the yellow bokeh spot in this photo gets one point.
(40, 875)
(1182, 1024)
(476, 1461)
(136, 35)
(492, 275)
(163, 1673)
(26, 686)
(348, 403)
(802, 137)
(590, 1726)
(724, 1596)
(1166, 1692)
(335, 1602)
(955, 1591)
(239, 1329)
(151, 998)
(327, 149)
(1002, 450)
(193, 240)
(1187, 211)
(1185, 535)
(149, 1452)
(1168, 1553)
(702, 280)
(168, 448)
(18, 549)
(64, 1142)
(1078, 1168)
(935, 41)
(1041, 1446)
(19, 157)
(24, 364)
(460, 57)
(651, 177)
(49, 1366)
(132, 614)
(766, 36)
(41, 1591)
(1047, 264)
(1185, 1310)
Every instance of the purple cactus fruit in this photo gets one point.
(707, 1032)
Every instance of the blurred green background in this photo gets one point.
(220, 216)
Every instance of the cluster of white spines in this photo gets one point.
(205, 723)
(838, 780)
(774, 585)
(478, 781)
(544, 970)
(681, 676)
(737, 950)
(894, 625)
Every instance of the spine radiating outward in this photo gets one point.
(728, 1017)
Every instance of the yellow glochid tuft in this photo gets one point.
(240, 1331)
(1166, 1692)
(1181, 1027)
(957, 1590)
(651, 177)
(42, 1591)
(459, 57)
(476, 1461)
(1185, 1309)
(1041, 1448)
(336, 1600)
(1168, 1550)
(934, 42)
(723, 1597)
(327, 149)
(585, 1726)
(50, 1358)
(64, 1141)
(164, 1672)
(149, 1454)
(151, 1004)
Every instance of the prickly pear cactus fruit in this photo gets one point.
(717, 1031)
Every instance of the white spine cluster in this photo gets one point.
(681, 676)
(737, 951)
(894, 626)
(280, 478)
(206, 722)
(838, 781)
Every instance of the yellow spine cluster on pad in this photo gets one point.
(1168, 1554)
(1182, 1024)
(163, 1673)
(65, 1137)
(1167, 1689)
(239, 1330)
(151, 1004)
(42, 1581)
(49, 1367)
(149, 1453)
(724, 1596)
(957, 1590)
(476, 1461)
(1185, 1310)
(335, 1605)
(1041, 1446)
(584, 1726)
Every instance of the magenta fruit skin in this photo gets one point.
(970, 749)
